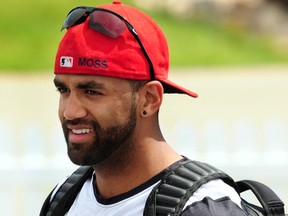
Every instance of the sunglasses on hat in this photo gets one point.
(106, 22)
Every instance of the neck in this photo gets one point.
(118, 175)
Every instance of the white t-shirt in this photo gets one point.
(88, 203)
(215, 194)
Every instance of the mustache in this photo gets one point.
(77, 122)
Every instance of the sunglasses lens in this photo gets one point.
(74, 17)
(107, 23)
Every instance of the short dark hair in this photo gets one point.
(137, 84)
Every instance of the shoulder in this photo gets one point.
(74, 182)
(214, 198)
(215, 189)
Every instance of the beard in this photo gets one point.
(106, 142)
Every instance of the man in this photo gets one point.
(111, 71)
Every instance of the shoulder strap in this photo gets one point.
(65, 196)
(172, 193)
(271, 203)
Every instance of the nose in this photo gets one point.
(73, 108)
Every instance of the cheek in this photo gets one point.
(60, 115)
(123, 113)
(111, 116)
(61, 109)
(116, 113)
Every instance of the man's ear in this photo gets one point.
(151, 96)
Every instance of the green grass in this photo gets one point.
(198, 42)
(30, 32)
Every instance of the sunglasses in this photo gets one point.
(106, 22)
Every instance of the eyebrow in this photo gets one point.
(58, 83)
(90, 85)
(81, 85)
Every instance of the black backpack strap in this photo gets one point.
(171, 194)
(271, 203)
(46, 204)
(65, 196)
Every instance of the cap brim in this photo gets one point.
(170, 87)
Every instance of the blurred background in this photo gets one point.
(234, 53)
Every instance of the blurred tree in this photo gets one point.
(282, 3)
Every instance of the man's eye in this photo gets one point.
(62, 90)
(92, 92)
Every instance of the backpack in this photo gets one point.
(170, 195)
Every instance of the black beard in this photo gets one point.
(107, 141)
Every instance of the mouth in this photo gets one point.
(81, 131)
(81, 135)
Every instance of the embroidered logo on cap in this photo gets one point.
(89, 62)
(66, 61)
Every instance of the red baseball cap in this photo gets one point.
(84, 51)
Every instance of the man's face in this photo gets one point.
(98, 115)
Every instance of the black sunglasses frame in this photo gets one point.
(89, 10)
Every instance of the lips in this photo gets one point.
(80, 134)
